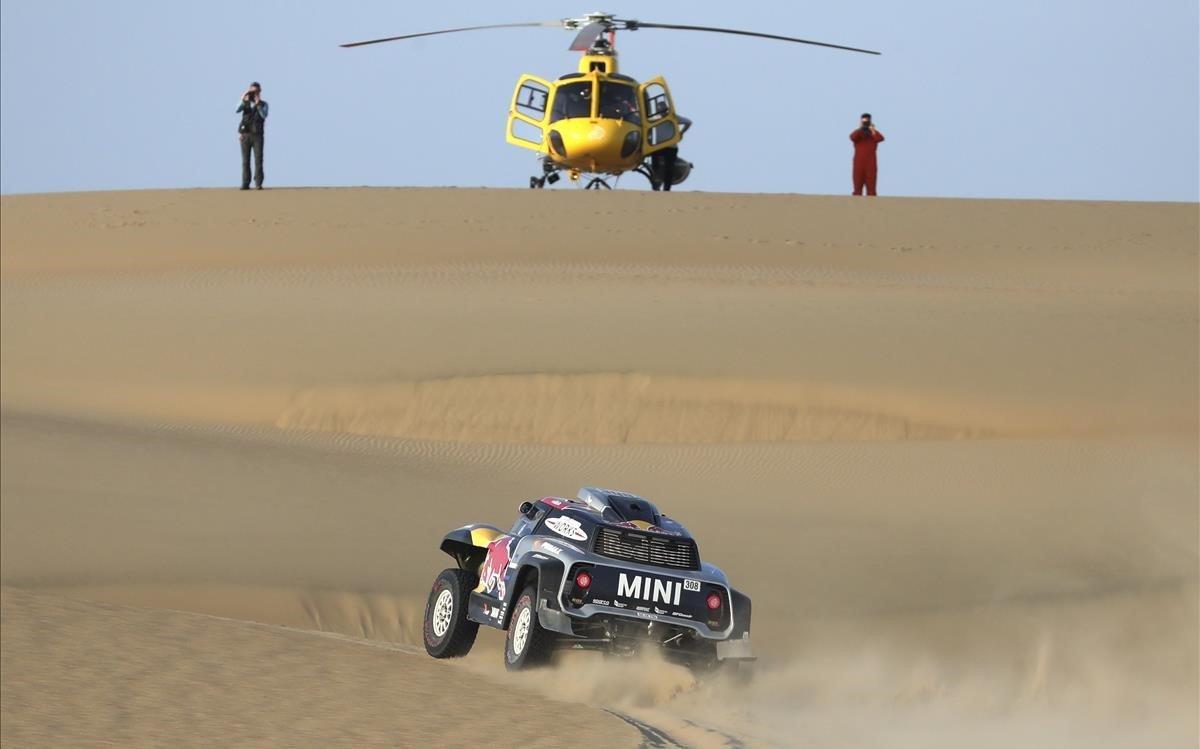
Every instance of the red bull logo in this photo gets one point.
(495, 566)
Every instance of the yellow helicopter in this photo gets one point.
(598, 121)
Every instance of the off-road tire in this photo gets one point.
(446, 612)
(528, 644)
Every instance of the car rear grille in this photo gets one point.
(679, 553)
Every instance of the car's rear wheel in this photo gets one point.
(448, 632)
(528, 644)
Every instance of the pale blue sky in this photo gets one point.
(1028, 99)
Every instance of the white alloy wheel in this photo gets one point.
(521, 631)
(443, 612)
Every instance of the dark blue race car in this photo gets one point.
(604, 571)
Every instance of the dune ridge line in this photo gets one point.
(635, 408)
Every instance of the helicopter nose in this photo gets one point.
(602, 142)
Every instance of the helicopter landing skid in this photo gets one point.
(595, 183)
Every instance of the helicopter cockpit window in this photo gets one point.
(531, 100)
(572, 100)
(619, 102)
(657, 104)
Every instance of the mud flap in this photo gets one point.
(735, 649)
(487, 610)
(553, 619)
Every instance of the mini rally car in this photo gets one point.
(606, 571)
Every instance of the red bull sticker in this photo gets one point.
(495, 566)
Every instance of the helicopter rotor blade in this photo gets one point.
(534, 24)
(586, 36)
(633, 25)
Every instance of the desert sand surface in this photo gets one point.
(949, 447)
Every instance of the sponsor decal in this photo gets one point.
(657, 610)
(642, 608)
(558, 548)
(600, 602)
(644, 615)
(691, 585)
(551, 548)
(681, 615)
(620, 605)
(652, 589)
(539, 556)
(495, 565)
(663, 531)
(567, 528)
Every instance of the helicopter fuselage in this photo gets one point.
(596, 120)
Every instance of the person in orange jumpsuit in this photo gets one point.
(865, 139)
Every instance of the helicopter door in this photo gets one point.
(527, 113)
(660, 127)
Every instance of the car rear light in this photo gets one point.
(581, 580)
(713, 601)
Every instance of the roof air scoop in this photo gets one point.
(620, 505)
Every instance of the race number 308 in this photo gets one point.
(691, 585)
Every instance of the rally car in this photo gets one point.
(604, 571)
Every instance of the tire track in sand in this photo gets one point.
(651, 737)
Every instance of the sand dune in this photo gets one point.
(609, 409)
(615, 409)
(81, 673)
(1129, 247)
(949, 447)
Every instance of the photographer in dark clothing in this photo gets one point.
(250, 133)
